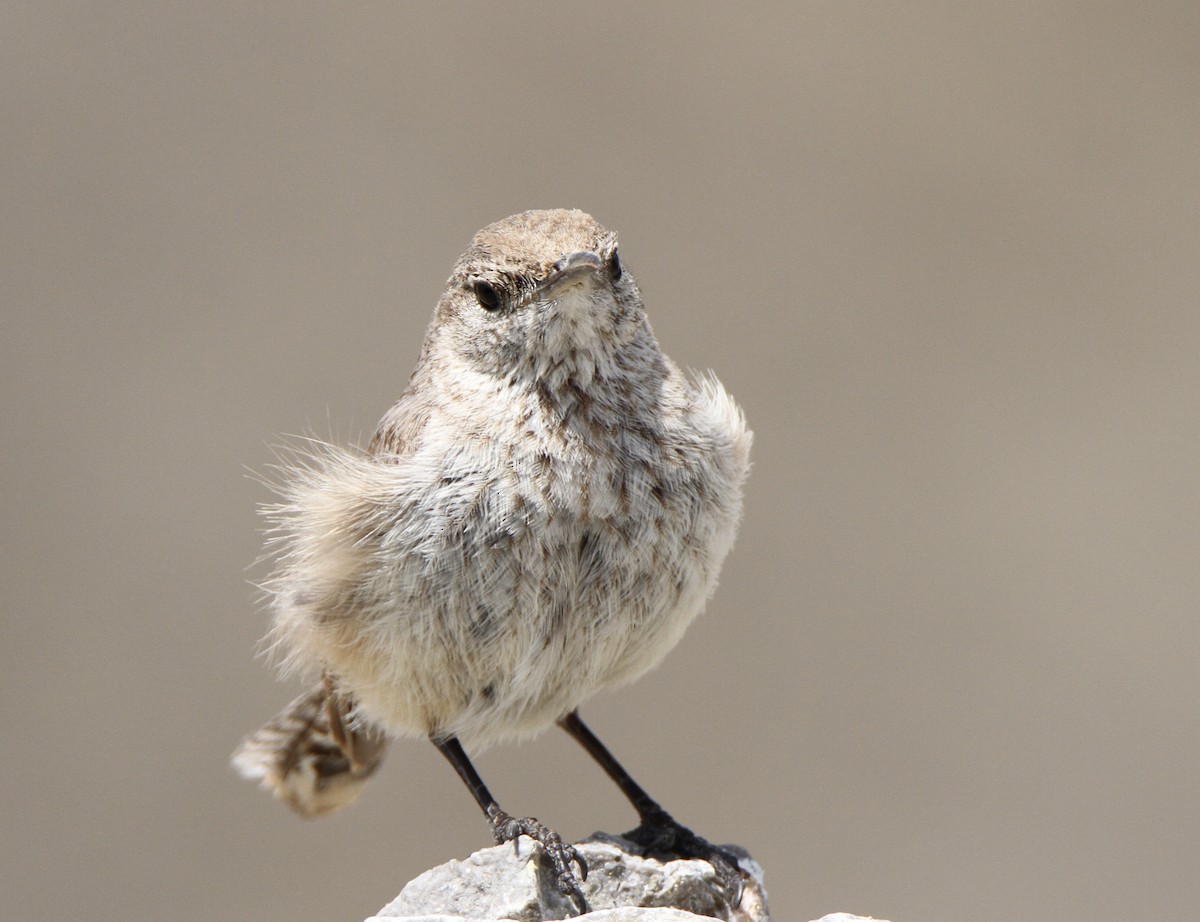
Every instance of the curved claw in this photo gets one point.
(661, 833)
(730, 874)
(507, 828)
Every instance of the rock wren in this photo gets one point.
(540, 516)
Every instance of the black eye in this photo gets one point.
(614, 266)
(487, 295)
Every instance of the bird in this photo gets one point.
(539, 517)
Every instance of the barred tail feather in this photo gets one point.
(311, 755)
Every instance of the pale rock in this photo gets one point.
(622, 886)
(847, 917)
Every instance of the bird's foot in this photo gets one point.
(660, 834)
(510, 829)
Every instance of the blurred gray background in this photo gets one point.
(946, 256)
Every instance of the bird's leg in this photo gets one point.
(507, 828)
(658, 830)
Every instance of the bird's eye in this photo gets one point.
(487, 295)
(614, 266)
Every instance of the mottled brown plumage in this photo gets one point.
(312, 755)
(540, 516)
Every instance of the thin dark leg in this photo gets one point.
(658, 830)
(646, 806)
(452, 749)
(506, 828)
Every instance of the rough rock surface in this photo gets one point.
(622, 886)
(847, 917)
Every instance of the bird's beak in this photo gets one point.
(569, 271)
